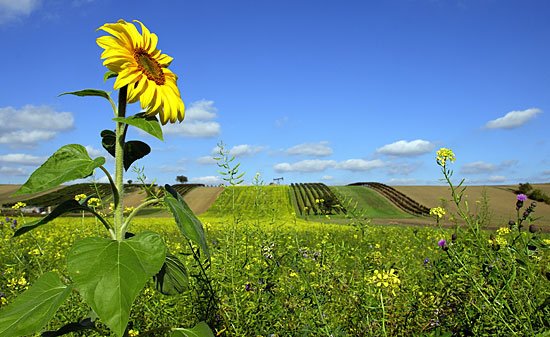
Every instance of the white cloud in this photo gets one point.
(403, 181)
(360, 164)
(32, 124)
(508, 163)
(478, 167)
(320, 149)
(13, 9)
(32, 117)
(309, 165)
(207, 180)
(168, 168)
(13, 171)
(546, 173)
(26, 138)
(206, 160)
(513, 119)
(197, 123)
(93, 152)
(489, 180)
(194, 129)
(21, 158)
(403, 168)
(243, 150)
(327, 178)
(404, 148)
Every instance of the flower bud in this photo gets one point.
(453, 237)
(519, 204)
(511, 223)
(533, 204)
(532, 229)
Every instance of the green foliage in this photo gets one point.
(188, 224)
(524, 188)
(172, 278)
(133, 150)
(200, 330)
(110, 274)
(149, 124)
(68, 163)
(373, 203)
(539, 195)
(35, 307)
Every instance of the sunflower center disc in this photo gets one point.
(149, 66)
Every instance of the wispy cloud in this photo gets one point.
(513, 119)
(206, 160)
(360, 164)
(304, 166)
(478, 167)
(197, 123)
(243, 150)
(404, 148)
(11, 10)
(13, 171)
(320, 149)
(32, 124)
(404, 181)
(403, 168)
(22, 159)
(489, 180)
(207, 180)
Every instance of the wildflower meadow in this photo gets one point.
(256, 263)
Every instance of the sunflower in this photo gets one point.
(141, 66)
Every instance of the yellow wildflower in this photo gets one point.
(438, 211)
(19, 205)
(79, 197)
(443, 155)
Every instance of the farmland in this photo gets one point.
(274, 273)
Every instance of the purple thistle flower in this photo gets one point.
(522, 197)
(442, 243)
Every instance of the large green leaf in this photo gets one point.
(172, 278)
(188, 224)
(88, 92)
(133, 150)
(64, 207)
(68, 163)
(200, 330)
(31, 310)
(149, 124)
(110, 274)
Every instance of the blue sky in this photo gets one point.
(311, 91)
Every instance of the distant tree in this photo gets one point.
(130, 181)
(181, 179)
(524, 188)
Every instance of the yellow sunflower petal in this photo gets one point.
(125, 77)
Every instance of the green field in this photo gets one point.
(369, 200)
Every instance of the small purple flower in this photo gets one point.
(522, 197)
(426, 261)
(442, 243)
(15, 222)
(247, 287)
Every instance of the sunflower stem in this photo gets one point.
(119, 163)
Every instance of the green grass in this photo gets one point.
(369, 200)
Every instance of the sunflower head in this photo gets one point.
(142, 67)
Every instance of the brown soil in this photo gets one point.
(501, 201)
(200, 199)
(7, 190)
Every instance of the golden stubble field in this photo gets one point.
(501, 200)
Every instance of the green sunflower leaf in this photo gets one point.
(109, 274)
(64, 207)
(172, 278)
(200, 330)
(149, 124)
(188, 224)
(109, 74)
(68, 163)
(133, 150)
(89, 92)
(31, 310)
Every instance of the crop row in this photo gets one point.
(70, 191)
(397, 198)
(182, 189)
(315, 199)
